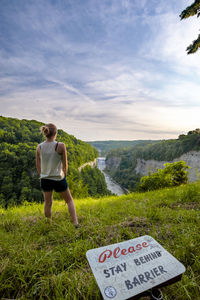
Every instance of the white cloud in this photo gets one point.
(170, 38)
(105, 70)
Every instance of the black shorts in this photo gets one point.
(48, 185)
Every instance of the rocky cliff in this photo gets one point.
(92, 164)
(112, 163)
(191, 158)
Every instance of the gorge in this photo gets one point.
(111, 185)
(191, 158)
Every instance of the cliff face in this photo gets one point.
(191, 158)
(112, 163)
(92, 164)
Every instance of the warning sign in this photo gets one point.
(129, 268)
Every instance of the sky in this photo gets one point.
(101, 69)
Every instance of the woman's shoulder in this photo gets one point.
(61, 147)
(60, 144)
(39, 146)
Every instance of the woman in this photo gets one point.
(51, 163)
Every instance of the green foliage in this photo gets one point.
(88, 182)
(165, 150)
(104, 147)
(18, 173)
(19, 180)
(192, 48)
(95, 181)
(193, 9)
(174, 174)
(39, 261)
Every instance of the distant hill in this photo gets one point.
(19, 180)
(106, 146)
(121, 164)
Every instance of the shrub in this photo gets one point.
(174, 174)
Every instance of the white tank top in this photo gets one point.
(51, 163)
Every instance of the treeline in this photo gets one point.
(19, 180)
(104, 147)
(165, 150)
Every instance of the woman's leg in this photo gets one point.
(48, 197)
(71, 207)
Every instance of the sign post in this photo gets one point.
(129, 268)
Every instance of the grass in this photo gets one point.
(42, 261)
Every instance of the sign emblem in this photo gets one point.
(110, 292)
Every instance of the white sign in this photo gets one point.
(126, 269)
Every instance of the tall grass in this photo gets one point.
(42, 261)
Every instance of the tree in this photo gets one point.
(192, 10)
(19, 180)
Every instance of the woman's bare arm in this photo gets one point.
(38, 161)
(63, 152)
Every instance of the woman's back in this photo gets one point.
(51, 163)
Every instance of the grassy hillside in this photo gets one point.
(41, 261)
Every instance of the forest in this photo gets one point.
(165, 150)
(19, 181)
(104, 147)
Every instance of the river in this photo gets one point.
(111, 185)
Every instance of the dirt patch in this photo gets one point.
(31, 219)
(57, 214)
(110, 235)
(136, 225)
(164, 205)
(187, 206)
(136, 222)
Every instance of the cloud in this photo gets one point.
(169, 42)
(100, 69)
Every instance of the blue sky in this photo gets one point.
(100, 69)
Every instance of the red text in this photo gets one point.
(117, 252)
